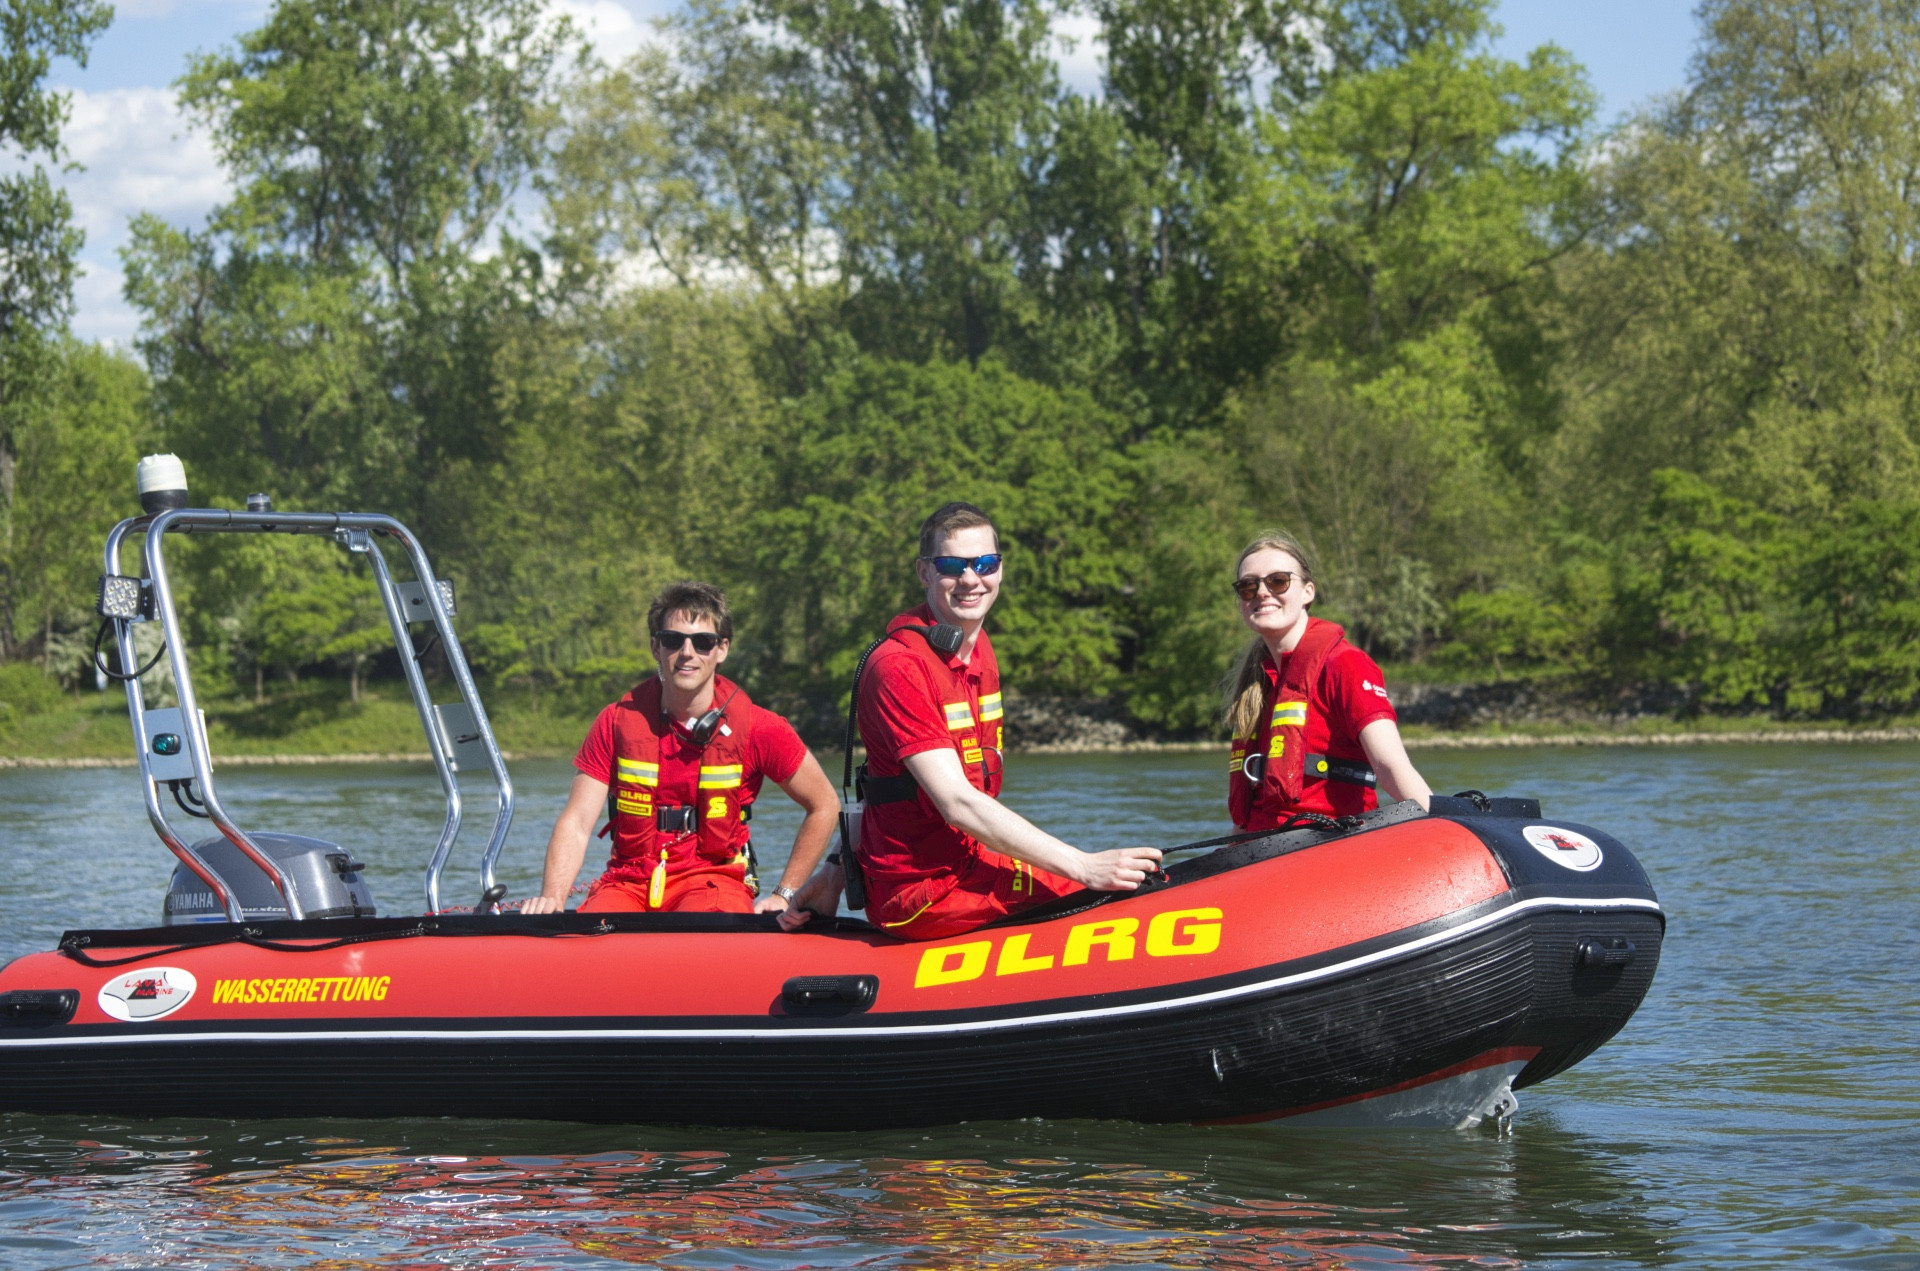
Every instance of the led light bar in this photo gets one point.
(123, 597)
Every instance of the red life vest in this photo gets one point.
(1280, 740)
(975, 726)
(911, 856)
(710, 780)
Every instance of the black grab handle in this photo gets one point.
(829, 994)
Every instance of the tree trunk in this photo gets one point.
(6, 538)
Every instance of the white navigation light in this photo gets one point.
(163, 483)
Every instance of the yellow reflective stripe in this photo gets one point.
(723, 777)
(959, 715)
(990, 707)
(1289, 713)
(639, 771)
(915, 914)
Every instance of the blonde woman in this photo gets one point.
(1312, 728)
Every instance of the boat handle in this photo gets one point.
(1604, 951)
(829, 994)
(36, 1007)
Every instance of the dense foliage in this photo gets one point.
(38, 245)
(1632, 407)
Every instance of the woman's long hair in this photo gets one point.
(1246, 687)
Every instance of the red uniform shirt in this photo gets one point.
(774, 750)
(909, 852)
(1349, 695)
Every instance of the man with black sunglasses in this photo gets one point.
(683, 756)
(940, 854)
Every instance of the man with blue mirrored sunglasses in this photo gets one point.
(940, 854)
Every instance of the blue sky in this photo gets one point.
(139, 155)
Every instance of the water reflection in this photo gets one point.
(1032, 1193)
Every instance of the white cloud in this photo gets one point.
(615, 30)
(1079, 52)
(139, 156)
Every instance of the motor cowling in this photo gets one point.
(325, 876)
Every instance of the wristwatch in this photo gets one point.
(788, 894)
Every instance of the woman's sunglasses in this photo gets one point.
(954, 566)
(1249, 587)
(704, 642)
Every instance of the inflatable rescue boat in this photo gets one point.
(1403, 968)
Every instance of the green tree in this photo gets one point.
(1856, 581)
(1713, 587)
(325, 612)
(1747, 316)
(1132, 305)
(636, 437)
(1419, 178)
(719, 161)
(38, 242)
(878, 159)
(1395, 244)
(76, 457)
(881, 445)
(328, 336)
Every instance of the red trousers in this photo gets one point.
(695, 892)
(993, 886)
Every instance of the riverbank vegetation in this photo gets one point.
(1633, 409)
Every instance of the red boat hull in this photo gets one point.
(1290, 976)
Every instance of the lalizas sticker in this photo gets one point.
(301, 990)
(1568, 849)
(152, 992)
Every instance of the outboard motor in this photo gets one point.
(324, 875)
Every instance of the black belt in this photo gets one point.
(874, 791)
(685, 820)
(1318, 768)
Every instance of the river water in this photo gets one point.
(1763, 1109)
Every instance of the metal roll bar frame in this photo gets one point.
(358, 532)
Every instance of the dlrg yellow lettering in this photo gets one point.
(1177, 933)
(952, 964)
(1116, 935)
(1014, 959)
(1166, 938)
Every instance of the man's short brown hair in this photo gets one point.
(701, 600)
(950, 517)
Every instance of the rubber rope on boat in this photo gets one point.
(1298, 821)
(71, 947)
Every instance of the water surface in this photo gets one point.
(1763, 1109)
